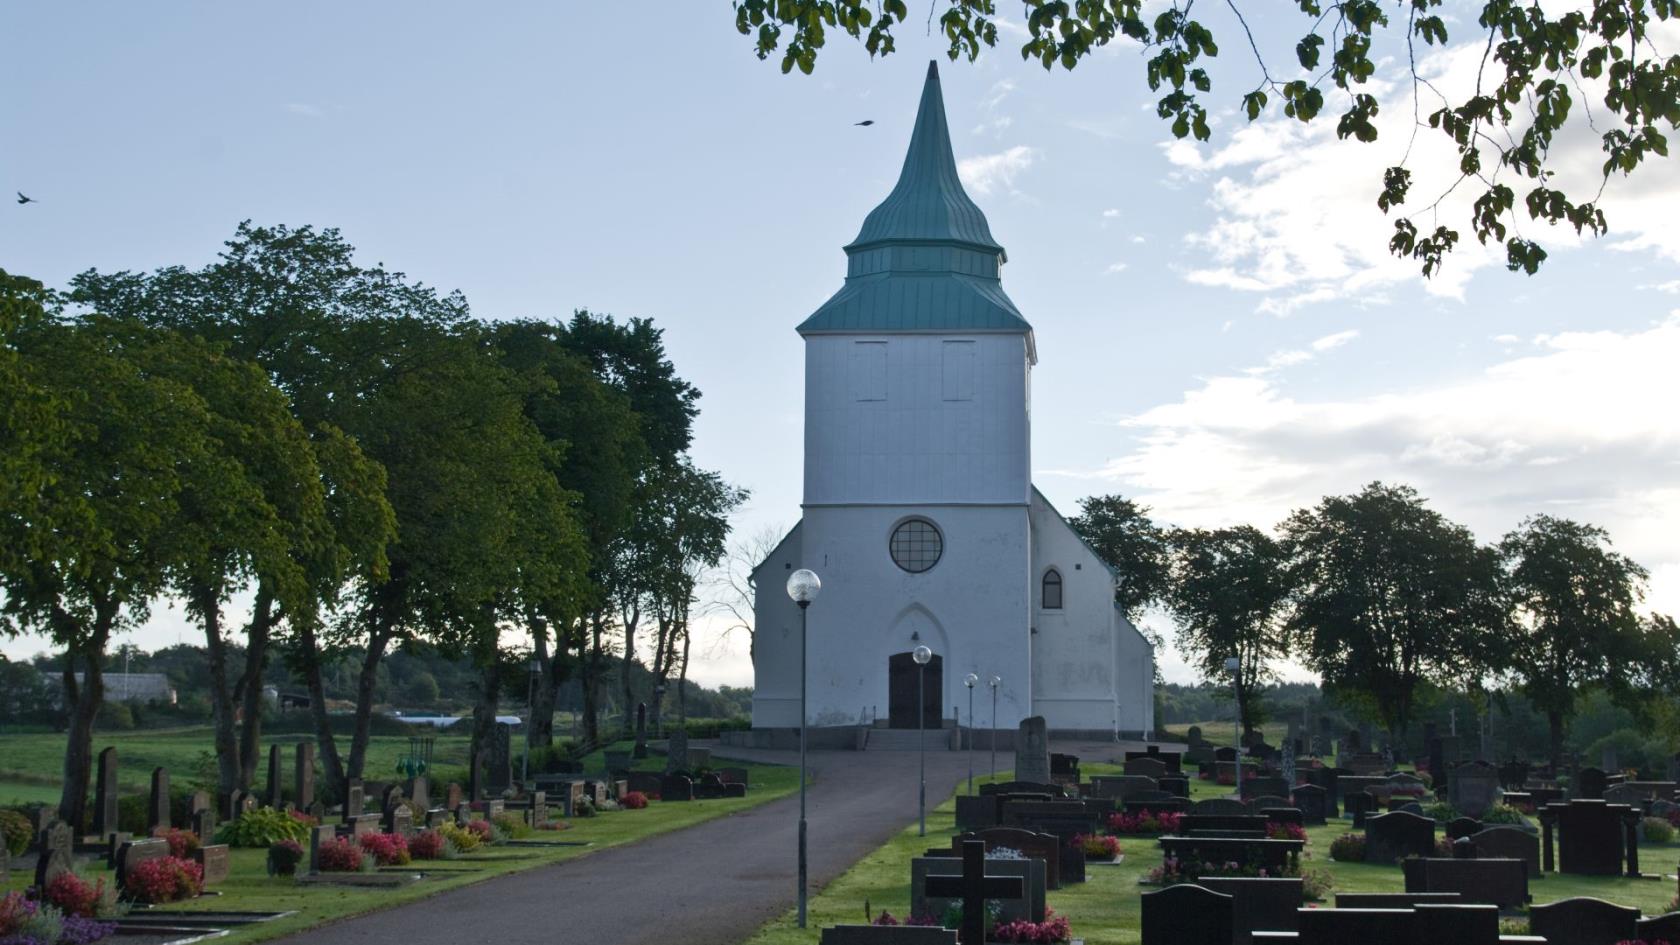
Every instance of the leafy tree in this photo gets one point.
(1533, 62)
(1120, 531)
(107, 526)
(1388, 594)
(1576, 625)
(1228, 592)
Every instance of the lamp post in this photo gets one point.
(803, 586)
(969, 681)
(921, 655)
(530, 721)
(993, 682)
(1234, 667)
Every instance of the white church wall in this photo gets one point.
(1078, 682)
(1137, 668)
(971, 608)
(916, 418)
(776, 637)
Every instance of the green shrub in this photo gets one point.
(1656, 830)
(1504, 814)
(1440, 811)
(510, 824)
(1348, 848)
(15, 828)
(262, 827)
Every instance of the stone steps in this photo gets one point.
(906, 739)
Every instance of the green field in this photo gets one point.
(250, 888)
(1105, 910)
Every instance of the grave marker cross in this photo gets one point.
(974, 887)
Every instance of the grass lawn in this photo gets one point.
(250, 888)
(1105, 910)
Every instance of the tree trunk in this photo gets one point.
(365, 681)
(84, 700)
(630, 622)
(326, 747)
(592, 681)
(1554, 728)
(489, 692)
(542, 698)
(249, 689)
(682, 681)
(209, 607)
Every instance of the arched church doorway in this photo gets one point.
(901, 691)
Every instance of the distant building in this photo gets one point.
(135, 687)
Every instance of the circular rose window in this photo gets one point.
(916, 545)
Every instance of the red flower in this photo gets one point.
(390, 849)
(633, 800)
(75, 896)
(165, 879)
(426, 845)
(182, 843)
(340, 856)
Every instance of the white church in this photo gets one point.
(920, 516)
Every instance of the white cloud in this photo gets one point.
(1111, 213)
(987, 172)
(1582, 427)
(1671, 287)
(307, 111)
(1294, 213)
(1507, 339)
(1115, 267)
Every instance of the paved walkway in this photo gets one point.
(711, 884)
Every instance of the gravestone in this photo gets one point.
(1032, 750)
(204, 824)
(105, 794)
(276, 783)
(1266, 802)
(303, 775)
(974, 813)
(1359, 805)
(135, 852)
(1583, 921)
(500, 776)
(419, 790)
(452, 795)
(353, 800)
(1607, 757)
(1043, 846)
(1462, 827)
(539, 808)
(1590, 837)
(157, 803)
(1590, 784)
(1258, 904)
(887, 935)
(1473, 788)
(1366, 926)
(676, 787)
(1661, 928)
(1123, 786)
(1502, 883)
(1029, 905)
(1262, 787)
(699, 758)
(319, 837)
(1195, 737)
(1152, 768)
(1310, 799)
(1177, 786)
(974, 886)
(1185, 914)
(676, 750)
(113, 843)
(1396, 835)
(1220, 806)
(55, 854)
(647, 782)
(216, 862)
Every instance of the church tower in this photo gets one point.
(917, 469)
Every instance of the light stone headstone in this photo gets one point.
(303, 775)
(1032, 750)
(56, 846)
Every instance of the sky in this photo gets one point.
(1221, 331)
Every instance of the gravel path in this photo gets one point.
(711, 884)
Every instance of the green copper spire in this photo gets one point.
(929, 202)
(925, 260)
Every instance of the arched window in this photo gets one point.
(1052, 595)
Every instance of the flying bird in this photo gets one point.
(865, 123)
(22, 199)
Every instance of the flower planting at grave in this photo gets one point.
(483, 830)
(15, 828)
(1348, 848)
(1097, 846)
(341, 856)
(261, 828)
(24, 922)
(1281, 831)
(554, 825)
(165, 879)
(1316, 884)
(463, 839)
(633, 800)
(1504, 815)
(1145, 822)
(1440, 811)
(428, 845)
(74, 896)
(508, 825)
(1444, 847)
(1174, 870)
(886, 918)
(303, 818)
(182, 843)
(387, 849)
(284, 857)
(1052, 930)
